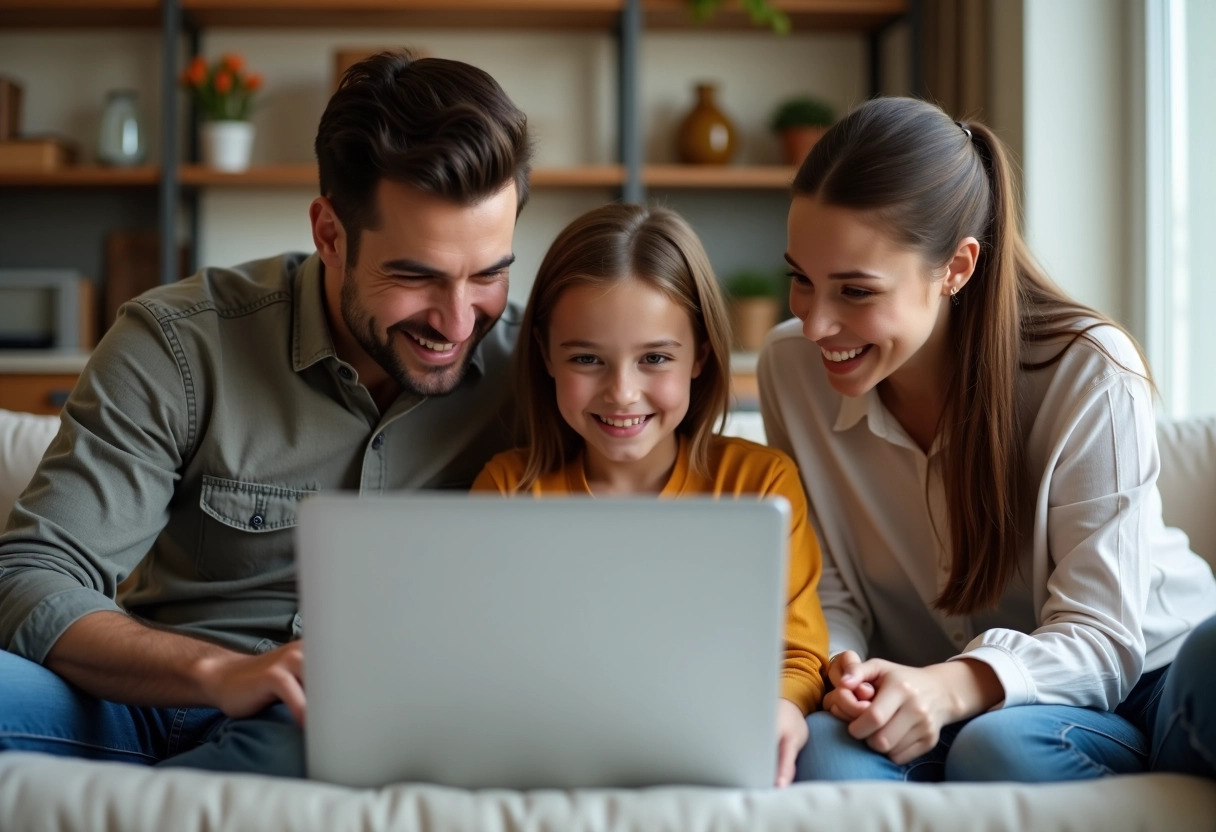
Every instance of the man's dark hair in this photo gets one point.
(441, 126)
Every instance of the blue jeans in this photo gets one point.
(39, 711)
(1167, 723)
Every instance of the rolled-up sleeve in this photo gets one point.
(100, 496)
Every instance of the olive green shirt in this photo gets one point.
(210, 409)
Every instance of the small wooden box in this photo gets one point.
(29, 155)
(10, 109)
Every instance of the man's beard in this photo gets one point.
(434, 381)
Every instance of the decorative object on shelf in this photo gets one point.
(800, 122)
(120, 141)
(10, 109)
(706, 136)
(223, 93)
(755, 298)
(762, 13)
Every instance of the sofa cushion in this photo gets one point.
(24, 438)
(1188, 480)
(82, 796)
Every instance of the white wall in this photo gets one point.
(1201, 189)
(1075, 147)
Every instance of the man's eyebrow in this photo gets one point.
(855, 274)
(417, 267)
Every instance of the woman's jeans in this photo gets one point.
(39, 711)
(1168, 723)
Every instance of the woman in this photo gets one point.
(980, 457)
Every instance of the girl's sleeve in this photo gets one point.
(492, 479)
(806, 631)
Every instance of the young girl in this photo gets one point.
(622, 370)
(985, 462)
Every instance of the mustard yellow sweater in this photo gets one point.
(740, 469)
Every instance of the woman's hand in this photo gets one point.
(849, 696)
(791, 737)
(910, 705)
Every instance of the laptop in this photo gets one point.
(480, 642)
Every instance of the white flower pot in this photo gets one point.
(227, 145)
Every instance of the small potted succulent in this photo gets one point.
(762, 13)
(755, 297)
(800, 122)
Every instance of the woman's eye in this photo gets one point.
(855, 292)
(800, 279)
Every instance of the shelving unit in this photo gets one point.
(180, 182)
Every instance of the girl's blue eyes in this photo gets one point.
(650, 360)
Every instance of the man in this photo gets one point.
(214, 405)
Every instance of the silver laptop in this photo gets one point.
(483, 642)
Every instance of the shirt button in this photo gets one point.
(257, 521)
(378, 442)
(346, 373)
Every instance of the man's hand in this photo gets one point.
(241, 685)
(791, 737)
(910, 705)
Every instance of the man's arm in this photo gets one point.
(115, 657)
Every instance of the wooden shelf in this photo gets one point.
(77, 13)
(804, 15)
(305, 175)
(726, 176)
(462, 14)
(86, 176)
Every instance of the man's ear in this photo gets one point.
(961, 266)
(542, 344)
(328, 235)
(702, 357)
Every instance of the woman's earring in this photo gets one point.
(954, 296)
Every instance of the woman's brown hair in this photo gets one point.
(607, 245)
(931, 182)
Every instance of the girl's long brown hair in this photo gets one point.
(607, 245)
(931, 182)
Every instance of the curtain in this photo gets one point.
(954, 56)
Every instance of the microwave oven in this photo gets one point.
(46, 309)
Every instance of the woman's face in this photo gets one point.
(873, 307)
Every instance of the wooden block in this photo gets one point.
(36, 154)
(347, 56)
(132, 267)
(10, 109)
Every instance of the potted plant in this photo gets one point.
(223, 93)
(762, 12)
(800, 121)
(755, 297)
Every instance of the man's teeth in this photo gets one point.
(623, 423)
(437, 346)
(833, 355)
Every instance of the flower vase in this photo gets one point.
(227, 145)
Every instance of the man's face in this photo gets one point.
(428, 284)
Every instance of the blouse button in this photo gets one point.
(346, 373)
(257, 521)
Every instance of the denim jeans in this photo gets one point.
(39, 711)
(1167, 723)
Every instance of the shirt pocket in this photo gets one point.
(246, 529)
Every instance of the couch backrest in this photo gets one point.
(1188, 480)
(1187, 483)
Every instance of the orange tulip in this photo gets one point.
(223, 82)
(233, 63)
(253, 83)
(196, 73)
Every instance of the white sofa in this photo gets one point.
(40, 793)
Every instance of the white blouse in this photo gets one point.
(1104, 590)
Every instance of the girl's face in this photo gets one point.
(871, 306)
(623, 360)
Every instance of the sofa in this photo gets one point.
(39, 793)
